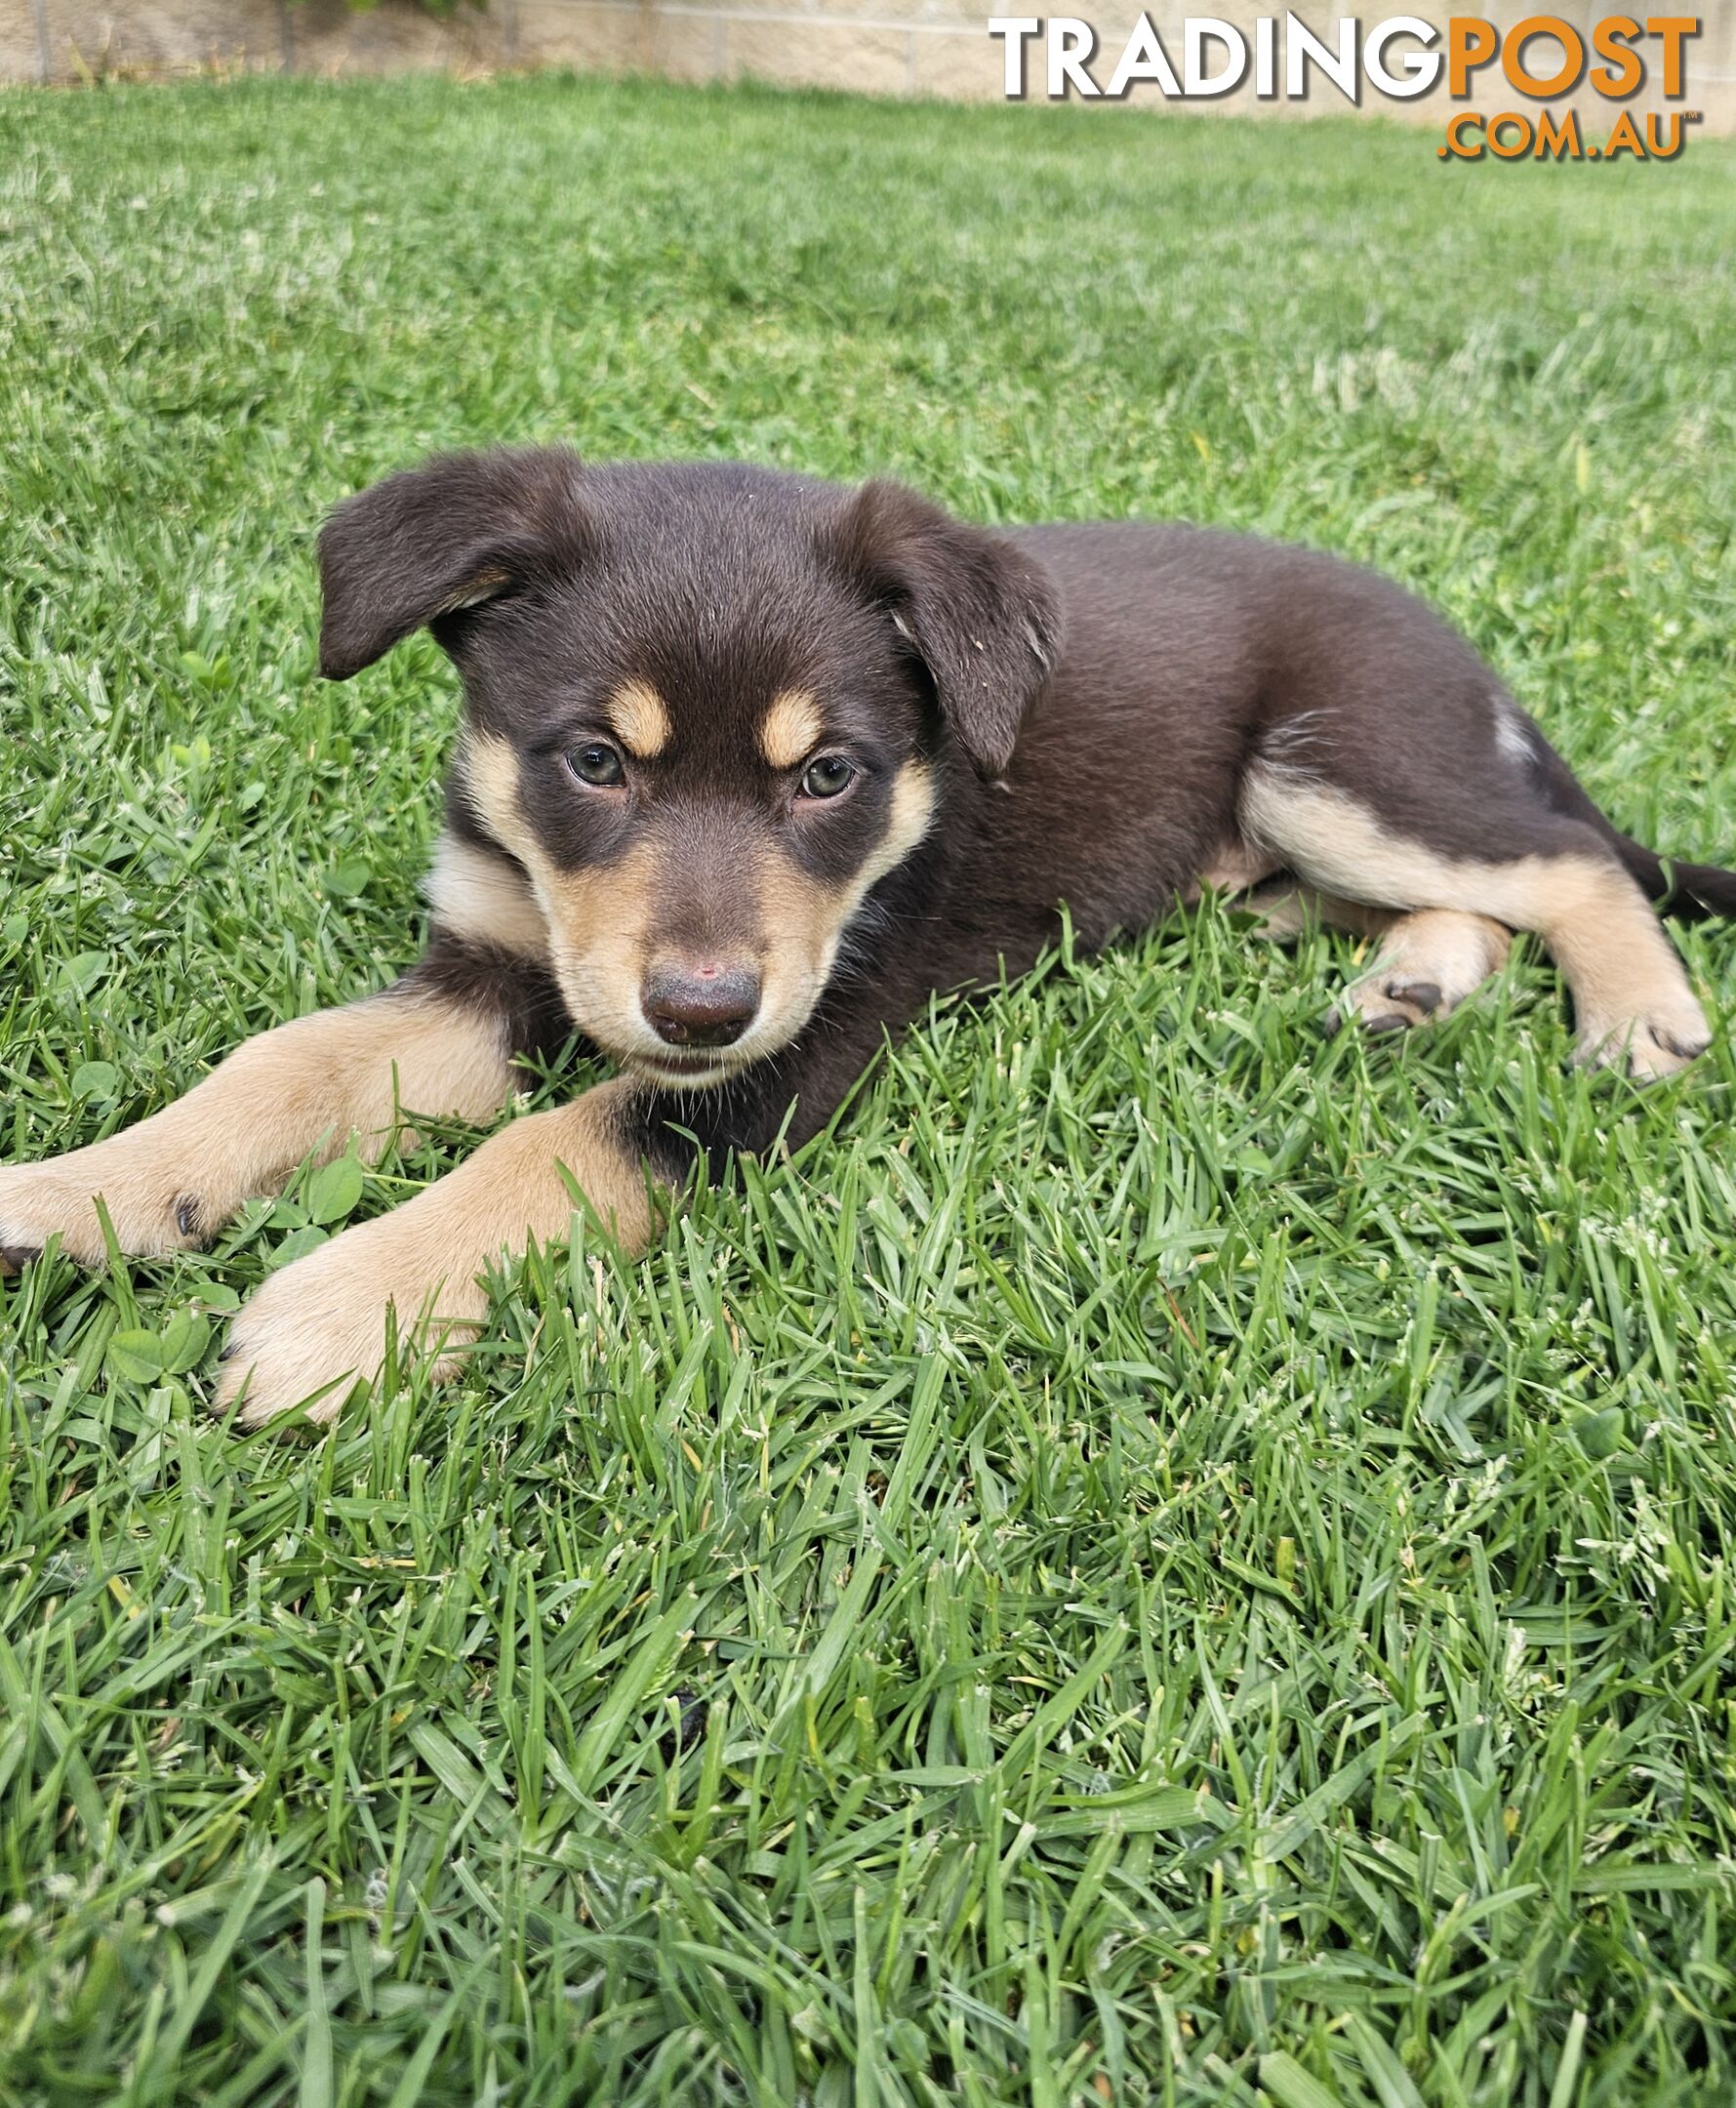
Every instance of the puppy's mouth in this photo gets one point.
(698, 1070)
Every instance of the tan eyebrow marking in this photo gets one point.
(790, 728)
(641, 718)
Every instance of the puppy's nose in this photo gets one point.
(708, 1005)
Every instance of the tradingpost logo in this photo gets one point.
(1539, 59)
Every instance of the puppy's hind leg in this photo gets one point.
(1529, 869)
(1633, 1006)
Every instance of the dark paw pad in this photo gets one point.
(1378, 1026)
(14, 1258)
(186, 1215)
(1424, 995)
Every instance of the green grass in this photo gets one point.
(1172, 1560)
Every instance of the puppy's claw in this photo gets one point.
(1394, 1004)
(1645, 1056)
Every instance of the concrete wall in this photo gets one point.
(878, 47)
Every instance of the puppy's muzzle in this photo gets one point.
(704, 1005)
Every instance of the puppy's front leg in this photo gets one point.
(440, 1043)
(317, 1327)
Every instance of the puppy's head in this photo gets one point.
(709, 710)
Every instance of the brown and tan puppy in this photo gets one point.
(753, 765)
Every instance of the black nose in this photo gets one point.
(701, 1006)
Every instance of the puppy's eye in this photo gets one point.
(597, 764)
(826, 777)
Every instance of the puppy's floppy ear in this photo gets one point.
(460, 530)
(983, 616)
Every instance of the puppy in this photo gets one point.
(753, 765)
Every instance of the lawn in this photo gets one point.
(1173, 1560)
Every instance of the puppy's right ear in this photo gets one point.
(460, 530)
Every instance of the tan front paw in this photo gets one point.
(152, 1212)
(320, 1327)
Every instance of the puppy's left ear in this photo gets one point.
(983, 615)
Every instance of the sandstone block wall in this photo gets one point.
(877, 47)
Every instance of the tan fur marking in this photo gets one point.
(488, 769)
(641, 719)
(600, 918)
(597, 918)
(1287, 911)
(299, 1091)
(910, 818)
(790, 729)
(482, 897)
(321, 1324)
(1235, 867)
(1631, 993)
(804, 922)
(575, 905)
